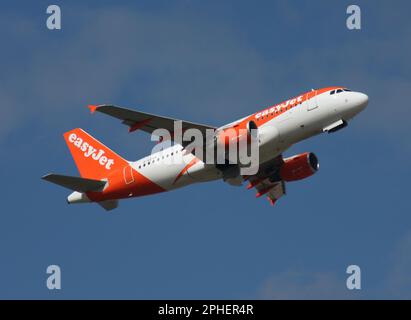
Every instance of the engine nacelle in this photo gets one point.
(236, 133)
(299, 167)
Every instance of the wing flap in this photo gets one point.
(267, 180)
(276, 192)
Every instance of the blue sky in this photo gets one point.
(209, 62)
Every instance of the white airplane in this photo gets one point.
(106, 177)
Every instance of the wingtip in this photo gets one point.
(46, 176)
(92, 108)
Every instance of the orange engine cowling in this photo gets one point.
(299, 167)
(243, 130)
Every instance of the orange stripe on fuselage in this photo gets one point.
(267, 114)
(185, 169)
(118, 188)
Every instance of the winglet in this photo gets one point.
(92, 108)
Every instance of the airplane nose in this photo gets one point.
(362, 100)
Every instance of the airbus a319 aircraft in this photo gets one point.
(106, 177)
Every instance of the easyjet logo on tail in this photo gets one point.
(90, 151)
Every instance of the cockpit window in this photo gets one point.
(339, 91)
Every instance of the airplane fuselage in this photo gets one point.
(279, 127)
(107, 177)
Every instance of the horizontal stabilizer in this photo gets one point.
(75, 183)
(109, 204)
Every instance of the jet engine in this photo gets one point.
(235, 134)
(299, 167)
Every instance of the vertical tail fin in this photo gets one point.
(93, 159)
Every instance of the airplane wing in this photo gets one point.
(137, 120)
(267, 181)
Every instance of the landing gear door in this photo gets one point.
(312, 102)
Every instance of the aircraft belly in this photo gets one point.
(164, 175)
(202, 172)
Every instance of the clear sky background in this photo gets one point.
(209, 62)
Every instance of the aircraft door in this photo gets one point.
(128, 174)
(312, 103)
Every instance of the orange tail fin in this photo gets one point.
(93, 159)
